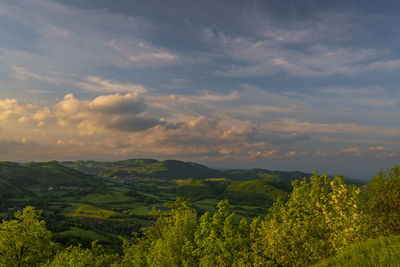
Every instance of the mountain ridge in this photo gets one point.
(175, 169)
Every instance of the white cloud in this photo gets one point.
(294, 125)
(23, 74)
(377, 151)
(99, 84)
(12, 111)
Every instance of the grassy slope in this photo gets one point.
(384, 251)
(262, 187)
(168, 169)
(43, 174)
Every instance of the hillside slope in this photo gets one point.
(17, 177)
(174, 169)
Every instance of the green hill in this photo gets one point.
(257, 173)
(261, 187)
(174, 169)
(167, 169)
(19, 176)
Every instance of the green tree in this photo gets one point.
(381, 202)
(320, 217)
(25, 241)
(219, 242)
(170, 241)
(76, 256)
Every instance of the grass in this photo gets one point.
(88, 211)
(218, 179)
(383, 251)
(207, 201)
(114, 197)
(78, 232)
(140, 208)
(189, 182)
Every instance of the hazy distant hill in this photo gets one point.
(174, 169)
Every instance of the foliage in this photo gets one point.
(383, 251)
(259, 191)
(381, 201)
(179, 238)
(319, 218)
(170, 240)
(76, 256)
(24, 241)
(219, 242)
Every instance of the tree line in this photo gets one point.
(321, 217)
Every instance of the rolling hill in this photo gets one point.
(16, 178)
(174, 169)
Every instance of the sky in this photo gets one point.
(282, 85)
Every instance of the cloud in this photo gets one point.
(378, 148)
(126, 125)
(23, 75)
(377, 151)
(257, 59)
(219, 98)
(292, 138)
(294, 125)
(42, 115)
(66, 39)
(13, 146)
(144, 55)
(353, 151)
(99, 84)
(113, 112)
(323, 45)
(12, 111)
(248, 103)
(202, 137)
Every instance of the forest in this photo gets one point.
(323, 221)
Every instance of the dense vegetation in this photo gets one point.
(322, 221)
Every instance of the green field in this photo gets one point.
(88, 211)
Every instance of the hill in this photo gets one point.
(149, 168)
(16, 178)
(175, 169)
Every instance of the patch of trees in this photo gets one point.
(321, 217)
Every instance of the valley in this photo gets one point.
(83, 201)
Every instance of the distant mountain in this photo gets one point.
(18, 177)
(174, 169)
(168, 169)
(285, 177)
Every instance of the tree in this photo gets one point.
(219, 242)
(76, 256)
(169, 242)
(381, 202)
(320, 217)
(24, 241)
